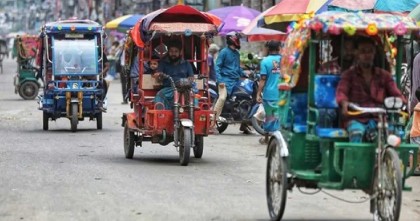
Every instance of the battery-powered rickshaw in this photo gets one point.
(188, 121)
(70, 57)
(26, 79)
(312, 148)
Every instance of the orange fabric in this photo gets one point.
(415, 128)
(135, 34)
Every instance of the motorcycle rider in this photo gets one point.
(228, 72)
(268, 92)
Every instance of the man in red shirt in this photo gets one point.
(365, 85)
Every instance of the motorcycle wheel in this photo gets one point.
(128, 142)
(221, 126)
(257, 125)
(185, 146)
(28, 90)
(74, 120)
(198, 147)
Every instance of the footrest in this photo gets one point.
(307, 175)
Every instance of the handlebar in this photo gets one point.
(365, 110)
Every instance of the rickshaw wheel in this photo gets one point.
(28, 90)
(276, 181)
(74, 120)
(44, 121)
(257, 125)
(128, 142)
(221, 126)
(99, 121)
(198, 147)
(387, 205)
(185, 146)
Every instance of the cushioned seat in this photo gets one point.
(299, 106)
(325, 102)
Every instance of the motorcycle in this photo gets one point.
(241, 106)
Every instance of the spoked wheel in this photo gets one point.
(128, 142)
(29, 90)
(198, 147)
(257, 125)
(221, 126)
(387, 204)
(74, 118)
(185, 146)
(99, 121)
(45, 121)
(276, 181)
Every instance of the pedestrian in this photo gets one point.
(123, 76)
(268, 92)
(415, 128)
(212, 56)
(113, 57)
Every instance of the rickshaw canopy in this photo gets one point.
(336, 23)
(73, 26)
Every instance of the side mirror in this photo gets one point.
(250, 56)
(393, 103)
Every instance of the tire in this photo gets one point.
(185, 147)
(74, 120)
(257, 125)
(391, 191)
(198, 147)
(99, 121)
(128, 142)
(276, 181)
(221, 126)
(29, 90)
(44, 121)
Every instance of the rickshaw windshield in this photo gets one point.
(75, 57)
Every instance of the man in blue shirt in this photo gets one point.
(270, 73)
(176, 67)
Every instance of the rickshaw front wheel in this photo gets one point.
(45, 121)
(387, 204)
(99, 121)
(185, 145)
(74, 120)
(128, 142)
(276, 181)
(198, 147)
(29, 90)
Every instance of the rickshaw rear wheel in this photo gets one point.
(29, 90)
(199, 146)
(44, 121)
(221, 126)
(99, 121)
(74, 120)
(387, 204)
(185, 146)
(128, 142)
(276, 181)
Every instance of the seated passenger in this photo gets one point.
(367, 86)
(177, 68)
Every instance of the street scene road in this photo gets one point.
(60, 175)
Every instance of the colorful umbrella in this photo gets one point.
(416, 14)
(352, 5)
(396, 5)
(255, 33)
(123, 23)
(235, 18)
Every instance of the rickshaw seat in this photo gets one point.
(325, 100)
(299, 108)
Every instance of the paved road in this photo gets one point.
(59, 175)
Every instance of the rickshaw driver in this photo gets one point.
(367, 86)
(177, 68)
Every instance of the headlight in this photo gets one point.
(181, 110)
(393, 103)
(75, 85)
(393, 140)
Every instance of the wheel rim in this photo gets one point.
(29, 91)
(274, 178)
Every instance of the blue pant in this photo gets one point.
(358, 130)
(166, 97)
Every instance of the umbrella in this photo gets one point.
(256, 33)
(396, 5)
(279, 16)
(235, 18)
(416, 14)
(123, 23)
(352, 5)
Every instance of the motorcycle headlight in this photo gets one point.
(75, 85)
(393, 103)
